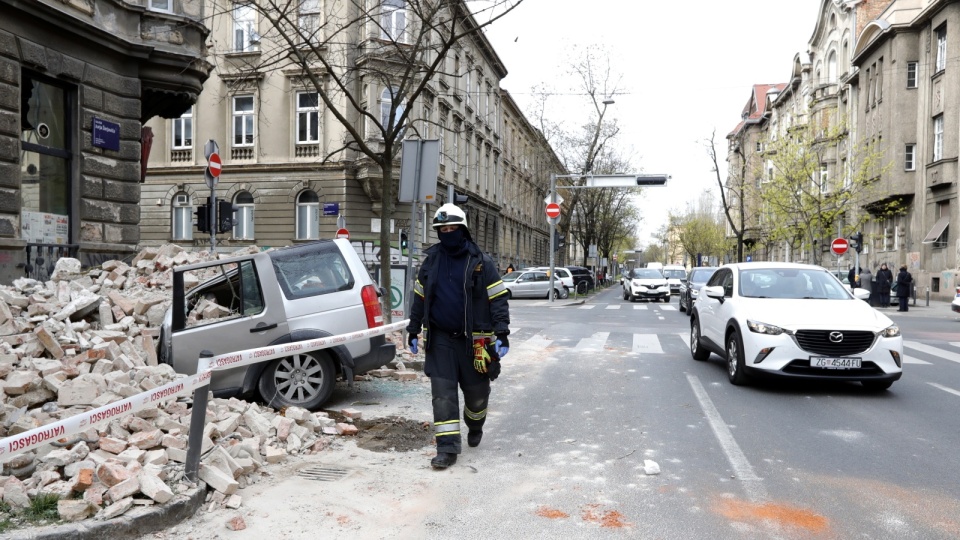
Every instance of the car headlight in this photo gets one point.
(891, 331)
(694, 293)
(764, 328)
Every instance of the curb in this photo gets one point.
(130, 526)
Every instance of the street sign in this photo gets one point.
(556, 199)
(210, 147)
(553, 210)
(343, 233)
(839, 246)
(214, 164)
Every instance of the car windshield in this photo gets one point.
(674, 274)
(512, 276)
(793, 283)
(646, 273)
(701, 275)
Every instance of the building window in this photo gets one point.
(386, 105)
(182, 216)
(832, 68)
(943, 209)
(243, 120)
(45, 159)
(161, 5)
(938, 138)
(912, 74)
(243, 227)
(308, 21)
(183, 130)
(910, 157)
(941, 48)
(245, 36)
(308, 117)
(824, 178)
(393, 20)
(308, 216)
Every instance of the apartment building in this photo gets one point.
(291, 164)
(77, 81)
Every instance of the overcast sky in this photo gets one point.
(688, 69)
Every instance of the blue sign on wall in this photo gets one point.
(106, 134)
(331, 209)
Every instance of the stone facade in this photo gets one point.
(65, 66)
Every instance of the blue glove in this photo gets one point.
(413, 343)
(502, 349)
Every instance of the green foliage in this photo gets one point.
(701, 230)
(43, 507)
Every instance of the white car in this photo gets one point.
(675, 275)
(955, 305)
(793, 320)
(646, 283)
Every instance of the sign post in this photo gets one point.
(211, 150)
(839, 246)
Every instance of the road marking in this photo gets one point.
(944, 388)
(537, 342)
(593, 343)
(752, 484)
(589, 306)
(640, 307)
(912, 360)
(685, 337)
(668, 308)
(647, 343)
(613, 306)
(946, 355)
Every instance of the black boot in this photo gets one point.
(473, 437)
(443, 460)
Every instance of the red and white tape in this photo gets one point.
(28, 440)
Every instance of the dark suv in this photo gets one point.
(580, 274)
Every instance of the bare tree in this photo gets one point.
(735, 191)
(354, 46)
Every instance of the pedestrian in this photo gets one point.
(904, 282)
(883, 281)
(461, 305)
(852, 277)
(510, 268)
(866, 283)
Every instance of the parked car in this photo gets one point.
(675, 275)
(646, 283)
(564, 275)
(270, 298)
(955, 305)
(793, 320)
(691, 286)
(581, 273)
(530, 284)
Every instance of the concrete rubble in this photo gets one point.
(85, 339)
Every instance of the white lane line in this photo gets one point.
(685, 337)
(537, 343)
(955, 343)
(647, 343)
(588, 306)
(668, 308)
(752, 484)
(613, 306)
(640, 307)
(944, 388)
(912, 360)
(593, 343)
(946, 355)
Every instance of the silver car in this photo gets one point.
(531, 284)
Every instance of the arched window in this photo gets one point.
(182, 218)
(308, 215)
(832, 67)
(243, 228)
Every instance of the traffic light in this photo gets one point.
(403, 241)
(562, 240)
(203, 217)
(652, 180)
(459, 199)
(225, 219)
(856, 241)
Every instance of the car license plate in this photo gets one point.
(827, 362)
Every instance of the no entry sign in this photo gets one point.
(839, 246)
(553, 210)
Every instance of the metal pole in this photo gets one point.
(553, 231)
(213, 219)
(414, 226)
(198, 417)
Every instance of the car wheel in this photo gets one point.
(303, 380)
(565, 293)
(735, 365)
(697, 350)
(509, 294)
(556, 294)
(876, 386)
(689, 307)
(680, 305)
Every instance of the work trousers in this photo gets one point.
(449, 364)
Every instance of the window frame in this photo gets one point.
(313, 11)
(151, 5)
(183, 122)
(941, 58)
(235, 115)
(913, 74)
(245, 22)
(393, 20)
(181, 218)
(307, 206)
(243, 228)
(312, 117)
(938, 137)
(910, 157)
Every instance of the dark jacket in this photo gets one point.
(487, 312)
(904, 282)
(884, 280)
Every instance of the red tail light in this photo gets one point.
(371, 306)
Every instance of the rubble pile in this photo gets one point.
(86, 339)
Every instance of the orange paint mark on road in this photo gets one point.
(551, 513)
(778, 514)
(609, 519)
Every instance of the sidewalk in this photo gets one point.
(936, 308)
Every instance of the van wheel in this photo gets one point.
(303, 380)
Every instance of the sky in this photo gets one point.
(687, 69)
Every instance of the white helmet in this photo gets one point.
(449, 214)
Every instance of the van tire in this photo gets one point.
(303, 380)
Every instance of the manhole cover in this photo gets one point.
(324, 474)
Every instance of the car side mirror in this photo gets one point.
(714, 292)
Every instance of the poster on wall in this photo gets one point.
(44, 228)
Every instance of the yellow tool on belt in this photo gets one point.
(480, 356)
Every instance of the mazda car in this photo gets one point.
(793, 320)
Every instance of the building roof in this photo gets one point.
(756, 107)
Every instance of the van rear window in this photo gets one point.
(310, 272)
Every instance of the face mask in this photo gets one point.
(452, 239)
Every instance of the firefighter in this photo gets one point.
(460, 304)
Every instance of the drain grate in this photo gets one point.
(324, 474)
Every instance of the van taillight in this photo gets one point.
(371, 306)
